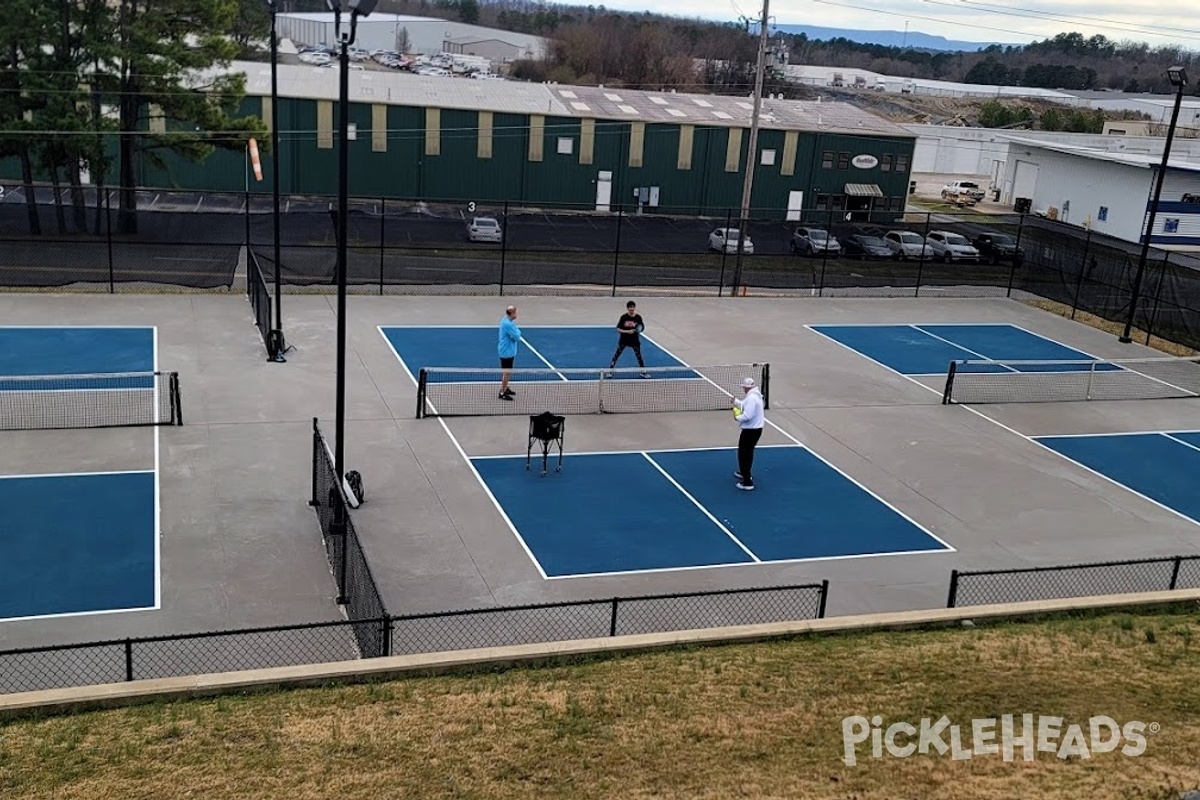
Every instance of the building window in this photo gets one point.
(885, 162)
(827, 160)
(566, 145)
(839, 202)
(768, 158)
(843, 161)
(1171, 226)
(822, 202)
(895, 204)
(902, 163)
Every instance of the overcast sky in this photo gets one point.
(1156, 22)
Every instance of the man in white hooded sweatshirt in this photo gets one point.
(748, 412)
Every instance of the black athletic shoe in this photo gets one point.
(510, 392)
(738, 475)
(504, 396)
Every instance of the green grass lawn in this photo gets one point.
(741, 721)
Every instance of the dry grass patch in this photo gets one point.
(749, 721)
(1115, 328)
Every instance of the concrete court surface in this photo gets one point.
(241, 547)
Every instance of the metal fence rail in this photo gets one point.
(985, 587)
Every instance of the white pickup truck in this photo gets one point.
(962, 192)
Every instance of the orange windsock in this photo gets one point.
(254, 160)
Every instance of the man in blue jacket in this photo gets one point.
(510, 335)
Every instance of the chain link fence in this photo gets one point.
(197, 240)
(986, 587)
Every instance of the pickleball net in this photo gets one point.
(986, 381)
(109, 400)
(457, 391)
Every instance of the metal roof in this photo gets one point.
(327, 16)
(1139, 160)
(402, 88)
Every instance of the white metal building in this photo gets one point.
(1108, 192)
(425, 35)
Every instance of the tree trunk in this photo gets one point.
(127, 189)
(127, 125)
(35, 223)
(60, 215)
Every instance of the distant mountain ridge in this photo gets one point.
(913, 39)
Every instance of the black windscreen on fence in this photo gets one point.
(433, 247)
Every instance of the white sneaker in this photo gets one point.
(745, 488)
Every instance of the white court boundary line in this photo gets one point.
(852, 480)
(1026, 437)
(157, 482)
(454, 440)
(703, 509)
(947, 548)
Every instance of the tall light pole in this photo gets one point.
(752, 150)
(357, 8)
(276, 336)
(1178, 78)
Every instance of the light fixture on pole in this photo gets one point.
(357, 8)
(275, 339)
(1178, 78)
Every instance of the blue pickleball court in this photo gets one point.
(542, 348)
(78, 542)
(623, 512)
(1159, 465)
(927, 350)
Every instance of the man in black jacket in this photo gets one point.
(629, 326)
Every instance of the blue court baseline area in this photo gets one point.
(542, 348)
(623, 512)
(1160, 466)
(73, 544)
(922, 350)
(81, 350)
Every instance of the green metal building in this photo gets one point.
(593, 148)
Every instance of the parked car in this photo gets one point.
(950, 246)
(997, 247)
(966, 189)
(861, 245)
(485, 229)
(726, 239)
(906, 244)
(815, 242)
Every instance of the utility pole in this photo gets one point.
(752, 149)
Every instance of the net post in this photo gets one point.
(1091, 380)
(600, 392)
(316, 453)
(953, 589)
(766, 386)
(422, 378)
(176, 400)
(824, 599)
(947, 392)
